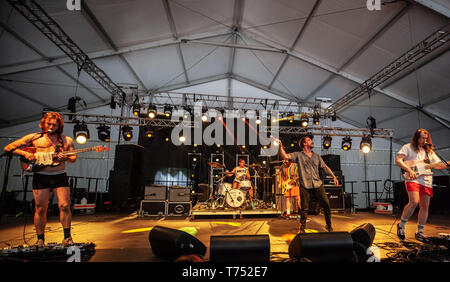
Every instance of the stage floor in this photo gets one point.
(124, 237)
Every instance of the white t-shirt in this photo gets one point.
(411, 155)
(241, 174)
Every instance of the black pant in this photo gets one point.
(321, 197)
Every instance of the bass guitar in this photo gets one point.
(45, 157)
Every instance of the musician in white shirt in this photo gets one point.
(418, 184)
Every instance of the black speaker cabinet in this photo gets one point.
(125, 187)
(170, 244)
(336, 198)
(364, 234)
(240, 248)
(333, 162)
(322, 247)
(440, 203)
(129, 157)
(202, 192)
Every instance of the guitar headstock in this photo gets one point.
(101, 149)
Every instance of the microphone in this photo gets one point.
(429, 145)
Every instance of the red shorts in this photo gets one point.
(416, 187)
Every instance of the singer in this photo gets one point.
(52, 177)
(419, 185)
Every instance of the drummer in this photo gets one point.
(241, 173)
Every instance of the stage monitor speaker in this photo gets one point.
(364, 234)
(333, 162)
(170, 244)
(129, 157)
(240, 248)
(322, 247)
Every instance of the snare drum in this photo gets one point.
(222, 188)
(245, 185)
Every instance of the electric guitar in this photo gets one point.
(49, 155)
(421, 168)
(286, 185)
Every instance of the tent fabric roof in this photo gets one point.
(332, 46)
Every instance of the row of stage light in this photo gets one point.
(81, 134)
(81, 131)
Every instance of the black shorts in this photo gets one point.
(44, 181)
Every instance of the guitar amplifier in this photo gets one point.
(179, 194)
(179, 208)
(153, 208)
(336, 198)
(155, 193)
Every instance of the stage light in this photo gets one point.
(167, 111)
(104, 133)
(304, 119)
(182, 139)
(258, 121)
(326, 142)
(316, 118)
(149, 133)
(81, 132)
(127, 133)
(366, 144)
(136, 110)
(371, 124)
(346, 143)
(151, 113)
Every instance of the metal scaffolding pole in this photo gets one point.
(50, 28)
(423, 48)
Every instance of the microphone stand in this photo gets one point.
(442, 159)
(6, 175)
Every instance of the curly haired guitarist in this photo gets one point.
(419, 185)
(52, 176)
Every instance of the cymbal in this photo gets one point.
(253, 165)
(216, 165)
(274, 162)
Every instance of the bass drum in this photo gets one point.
(222, 188)
(235, 198)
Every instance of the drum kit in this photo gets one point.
(225, 196)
